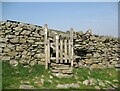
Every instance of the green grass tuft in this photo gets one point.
(13, 77)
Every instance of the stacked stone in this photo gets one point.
(24, 43)
(20, 42)
(95, 51)
(61, 70)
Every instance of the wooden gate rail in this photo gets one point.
(63, 47)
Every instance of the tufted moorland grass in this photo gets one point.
(13, 77)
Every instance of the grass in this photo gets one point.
(13, 77)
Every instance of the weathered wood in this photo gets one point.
(57, 50)
(69, 50)
(48, 50)
(45, 44)
(65, 44)
(54, 58)
(61, 51)
(71, 40)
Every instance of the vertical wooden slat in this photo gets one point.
(48, 50)
(71, 40)
(57, 50)
(69, 50)
(65, 44)
(61, 51)
(45, 44)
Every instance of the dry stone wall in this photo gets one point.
(20, 42)
(95, 51)
(24, 43)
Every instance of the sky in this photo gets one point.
(101, 17)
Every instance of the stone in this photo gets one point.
(67, 71)
(2, 22)
(27, 32)
(96, 51)
(31, 41)
(32, 63)
(92, 38)
(97, 87)
(90, 81)
(26, 57)
(42, 80)
(62, 67)
(94, 66)
(39, 55)
(6, 49)
(115, 80)
(12, 53)
(19, 48)
(89, 55)
(3, 40)
(23, 32)
(26, 87)
(17, 33)
(11, 46)
(13, 62)
(117, 65)
(24, 82)
(10, 36)
(88, 61)
(1, 33)
(60, 75)
(18, 29)
(14, 40)
(101, 83)
(40, 43)
(5, 58)
(96, 55)
(89, 32)
(38, 83)
(2, 45)
(24, 52)
(8, 24)
(8, 31)
(22, 40)
(72, 85)
(103, 38)
(51, 77)
(1, 50)
(62, 86)
(77, 45)
(41, 63)
(24, 62)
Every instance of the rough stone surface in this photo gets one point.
(72, 85)
(21, 41)
(90, 81)
(26, 87)
(13, 62)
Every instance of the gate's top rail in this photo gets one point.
(63, 44)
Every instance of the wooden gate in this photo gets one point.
(63, 48)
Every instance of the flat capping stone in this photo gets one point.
(24, 23)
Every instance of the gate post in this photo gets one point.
(61, 49)
(48, 50)
(71, 43)
(57, 48)
(45, 45)
(65, 49)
